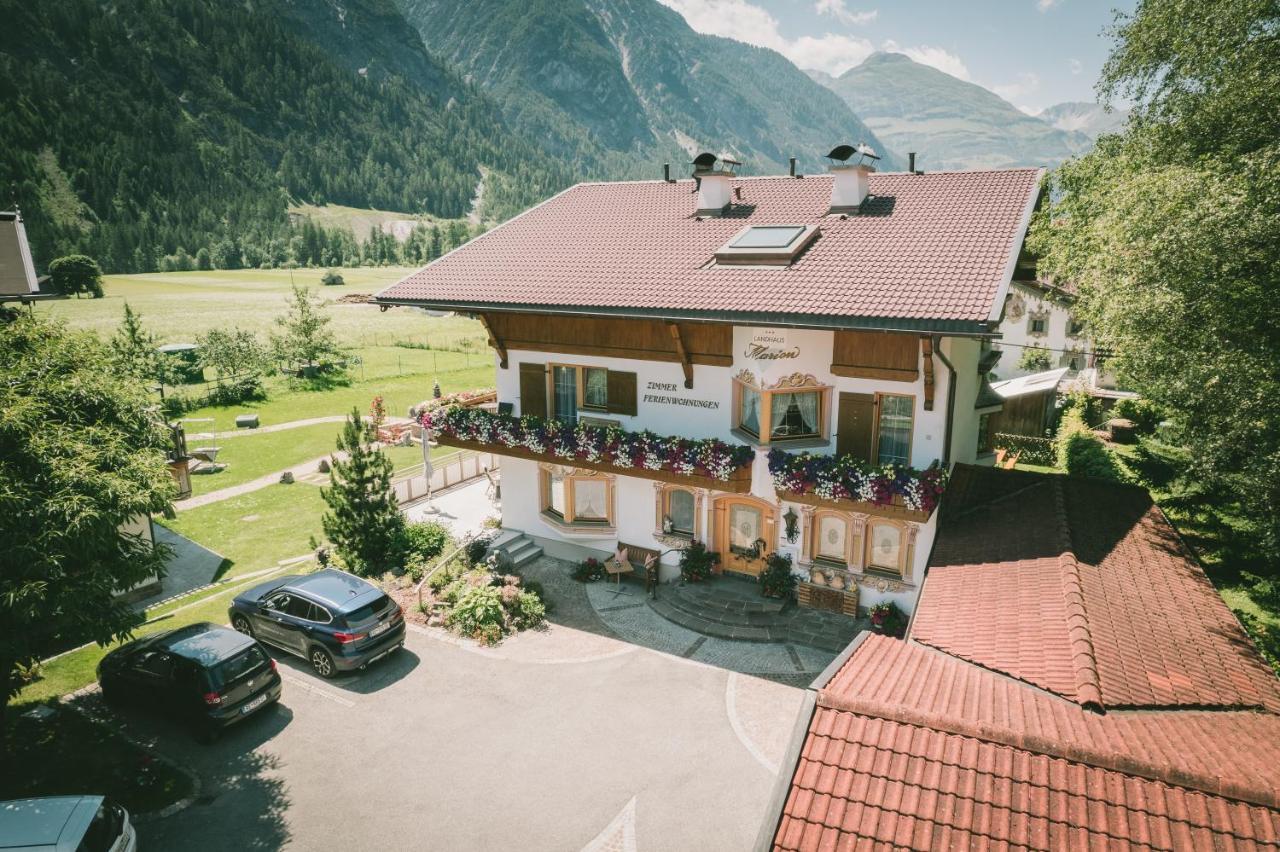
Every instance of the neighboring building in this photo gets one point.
(1028, 406)
(1070, 680)
(1039, 315)
(841, 314)
(18, 282)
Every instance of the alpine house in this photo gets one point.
(783, 364)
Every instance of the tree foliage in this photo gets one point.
(133, 348)
(305, 338)
(239, 361)
(363, 520)
(1035, 358)
(76, 274)
(1169, 230)
(81, 454)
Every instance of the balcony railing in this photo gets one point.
(607, 449)
(845, 482)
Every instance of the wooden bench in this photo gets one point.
(646, 557)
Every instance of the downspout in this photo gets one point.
(951, 399)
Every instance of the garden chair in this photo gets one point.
(494, 489)
(1000, 454)
(1013, 460)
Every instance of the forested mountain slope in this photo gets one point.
(132, 129)
(615, 87)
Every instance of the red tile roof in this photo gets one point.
(1085, 688)
(927, 250)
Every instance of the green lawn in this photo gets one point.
(258, 529)
(68, 754)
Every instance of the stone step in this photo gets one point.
(506, 537)
(712, 597)
(696, 623)
(525, 553)
(698, 606)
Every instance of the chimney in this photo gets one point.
(911, 161)
(850, 187)
(713, 183)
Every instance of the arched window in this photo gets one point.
(678, 511)
(888, 547)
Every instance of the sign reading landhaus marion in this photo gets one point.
(770, 345)
(675, 400)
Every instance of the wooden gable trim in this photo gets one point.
(685, 363)
(926, 349)
(494, 340)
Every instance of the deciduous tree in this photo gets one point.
(76, 274)
(305, 337)
(81, 454)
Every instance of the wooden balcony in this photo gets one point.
(895, 510)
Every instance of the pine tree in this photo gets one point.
(306, 339)
(133, 348)
(363, 520)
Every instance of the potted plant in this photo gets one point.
(886, 618)
(776, 580)
(696, 562)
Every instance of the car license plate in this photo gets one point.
(254, 704)
(380, 629)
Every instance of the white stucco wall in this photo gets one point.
(659, 382)
(1015, 334)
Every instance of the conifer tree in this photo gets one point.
(363, 520)
(306, 338)
(133, 348)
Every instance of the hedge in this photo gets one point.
(1081, 452)
(1034, 450)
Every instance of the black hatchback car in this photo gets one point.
(206, 675)
(332, 619)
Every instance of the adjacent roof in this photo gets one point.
(1070, 680)
(1034, 383)
(926, 251)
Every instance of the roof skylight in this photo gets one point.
(767, 236)
(766, 245)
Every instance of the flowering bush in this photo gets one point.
(708, 457)
(439, 401)
(776, 580)
(588, 570)
(886, 618)
(696, 562)
(847, 478)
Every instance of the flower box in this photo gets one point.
(606, 449)
(844, 482)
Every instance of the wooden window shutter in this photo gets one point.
(533, 389)
(855, 425)
(622, 393)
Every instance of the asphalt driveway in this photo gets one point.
(564, 739)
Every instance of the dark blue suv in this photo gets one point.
(332, 619)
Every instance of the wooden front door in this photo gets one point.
(740, 524)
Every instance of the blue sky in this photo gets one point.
(1033, 53)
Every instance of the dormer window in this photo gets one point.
(766, 245)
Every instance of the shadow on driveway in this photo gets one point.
(377, 676)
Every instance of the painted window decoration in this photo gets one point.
(1038, 324)
(707, 457)
(831, 542)
(847, 478)
(885, 546)
(595, 388)
(578, 497)
(794, 408)
(894, 430)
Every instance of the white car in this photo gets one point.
(66, 824)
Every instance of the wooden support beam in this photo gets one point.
(685, 363)
(494, 341)
(926, 348)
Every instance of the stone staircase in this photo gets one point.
(733, 608)
(516, 546)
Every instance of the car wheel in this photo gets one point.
(322, 663)
(240, 623)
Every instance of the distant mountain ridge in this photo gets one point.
(616, 86)
(1091, 119)
(949, 123)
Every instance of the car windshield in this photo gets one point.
(368, 611)
(105, 829)
(237, 667)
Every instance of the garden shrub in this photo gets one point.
(776, 580)
(478, 546)
(886, 618)
(588, 570)
(696, 562)
(426, 539)
(1144, 414)
(1082, 453)
(528, 611)
(486, 606)
(1265, 591)
(478, 614)
(332, 278)
(1030, 449)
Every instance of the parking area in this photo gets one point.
(563, 739)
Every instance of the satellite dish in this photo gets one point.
(704, 161)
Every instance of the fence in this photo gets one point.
(446, 472)
(1034, 450)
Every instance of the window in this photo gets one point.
(885, 548)
(564, 394)
(577, 497)
(893, 445)
(831, 542)
(794, 409)
(677, 511)
(984, 433)
(595, 388)
(1075, 327)
(767, 236)
(768, 245)
(1038, 324)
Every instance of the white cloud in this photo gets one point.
(1075, 65)
(838, 10)
(1027, 83)
(745, 21)
(935, 57)
(1046, 5)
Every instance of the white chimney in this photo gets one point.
(850, 186)
(714, 192)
